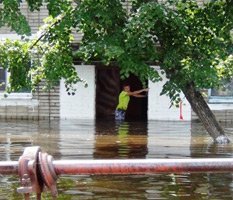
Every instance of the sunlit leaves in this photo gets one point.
(56, 7)
(56, 57)
(101, 23)
(15, 58)
(207, 43)
(34, 4)
(11, 16)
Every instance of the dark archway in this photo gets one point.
(137, 109)
(108, 87)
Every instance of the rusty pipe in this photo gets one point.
(9, 167)
(143, 166)
(37, 169)
(135, 166)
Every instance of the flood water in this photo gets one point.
(83, 139)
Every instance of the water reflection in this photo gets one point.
(76, 139)
(214, 186)
(202, 145)
(84, 139)
(120, 140)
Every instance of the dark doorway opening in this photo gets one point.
(137, 109)
(108, 88)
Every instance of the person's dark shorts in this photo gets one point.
(119, 114)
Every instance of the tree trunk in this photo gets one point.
(206, 116)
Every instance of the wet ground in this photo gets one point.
(83, 139)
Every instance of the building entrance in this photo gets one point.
(108, 88)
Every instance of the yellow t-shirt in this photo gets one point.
(123, 101)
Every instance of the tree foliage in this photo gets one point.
(102, 27)
(190, 42)
(50, 56)
(193, 42)
(15, 57)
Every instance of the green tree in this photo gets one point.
(192, 44)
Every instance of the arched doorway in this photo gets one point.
(137, 109)
(108, 87)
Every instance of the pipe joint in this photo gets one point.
(36, 171)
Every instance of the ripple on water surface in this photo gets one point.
(83, 139)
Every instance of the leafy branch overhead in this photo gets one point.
(188, 41)
(50, 56)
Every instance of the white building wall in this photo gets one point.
(221, 106)
(82, 104)
(158, 106)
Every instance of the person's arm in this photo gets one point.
(137, 92)
(139, 95)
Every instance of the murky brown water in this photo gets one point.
(84, 139)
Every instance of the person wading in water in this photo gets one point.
(124, 98)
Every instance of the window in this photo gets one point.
(223, 94)
(2, 79)
(23, 94)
